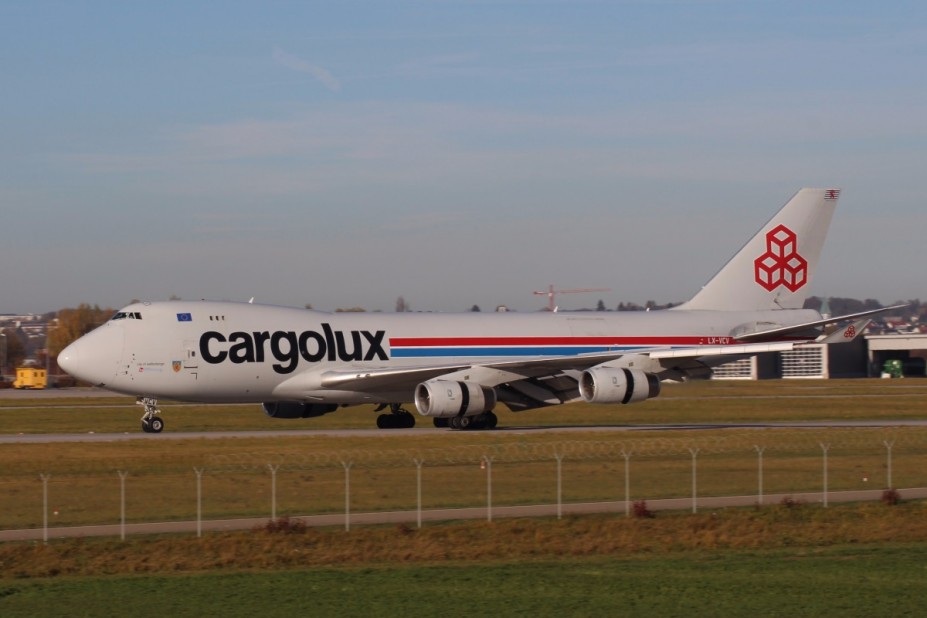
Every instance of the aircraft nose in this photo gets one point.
(93, 358)
(69, 358)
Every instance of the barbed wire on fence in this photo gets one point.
(820, 450)
(785, 441)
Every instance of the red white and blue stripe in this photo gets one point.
(501, 347)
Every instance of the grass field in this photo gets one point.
(161, 483)
(862, 560)
(866, 560)
(867, 582)
(701, 401)
(84, 486)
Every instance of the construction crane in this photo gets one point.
(551, 292)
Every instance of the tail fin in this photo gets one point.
(774, 269)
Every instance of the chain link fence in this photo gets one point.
(264, 483)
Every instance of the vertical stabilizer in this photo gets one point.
(775, 268)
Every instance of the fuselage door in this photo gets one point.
(191, 359)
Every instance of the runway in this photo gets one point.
(389, 433)
(52, 398)
(57, 393)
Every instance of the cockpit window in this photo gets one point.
(128, 315)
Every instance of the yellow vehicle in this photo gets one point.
(30, 377)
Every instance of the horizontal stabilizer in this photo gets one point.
(777, 333)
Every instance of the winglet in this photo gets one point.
(846, 334)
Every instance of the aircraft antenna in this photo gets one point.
(551, 292)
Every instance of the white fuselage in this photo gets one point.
(238, 352)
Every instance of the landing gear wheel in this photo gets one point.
(459, 422)
(441, 423)
(486, 420)
(151, 422)
(397, 419)
(154, 425)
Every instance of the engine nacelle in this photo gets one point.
(297, 409)
(444, 398)
(617, 385)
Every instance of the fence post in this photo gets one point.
(122, 503)
(627, 482)
(825, 447)
(694, 452)
(273, 490)
(418, 489)
(559, 485)
(759, 452)
(45, 478)
(487, 463)
(888, 445)
(199, 501)
(347, 494)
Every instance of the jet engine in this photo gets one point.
(297, 409)
(445, 399)
(602, 384)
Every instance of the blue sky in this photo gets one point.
(455, 153)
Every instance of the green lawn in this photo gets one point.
(845, 581)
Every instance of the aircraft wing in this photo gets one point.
(525, 383)
(487, 374)
(775, 333)
(518, 373)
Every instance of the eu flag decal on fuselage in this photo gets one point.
(184, 317)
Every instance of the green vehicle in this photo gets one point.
(893, 368)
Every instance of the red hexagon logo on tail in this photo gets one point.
(781, 264)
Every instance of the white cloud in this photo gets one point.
(303, 66)
(402, 152)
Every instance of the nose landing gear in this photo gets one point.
(151, 422)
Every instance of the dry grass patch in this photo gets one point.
(507, 540)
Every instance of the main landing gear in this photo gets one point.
(486, 420)
(396, 419)
(151, 422)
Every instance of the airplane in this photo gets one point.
(455, 368)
